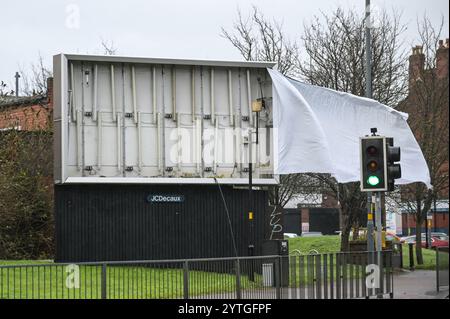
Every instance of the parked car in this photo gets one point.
(311, 234)
(290, 235)
(436, 242)
(393, 237)
(408, 239)
(412, 239)
(440, 236)
(440, 240)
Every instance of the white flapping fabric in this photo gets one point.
(317, 130)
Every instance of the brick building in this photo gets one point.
(27, 113)
(429, 86)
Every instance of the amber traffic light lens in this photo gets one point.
(372, 150)
(372, 166)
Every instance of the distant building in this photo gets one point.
(439, 215)
(27, 113)
(433, 78)
(311, 213)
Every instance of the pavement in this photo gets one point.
(418, 284)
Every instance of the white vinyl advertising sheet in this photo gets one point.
(318, 130)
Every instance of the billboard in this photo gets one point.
(142, 120)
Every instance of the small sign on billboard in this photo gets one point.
(164, 198)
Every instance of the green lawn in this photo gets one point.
(122, 282)
(323, 244)
(330, 244)
(153, 282)
(429, 258)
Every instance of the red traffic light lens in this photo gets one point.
(372, 150)
(372, 166)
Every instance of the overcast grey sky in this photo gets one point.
(170, 28)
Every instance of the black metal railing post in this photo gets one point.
(278, 278)
(186, 280)
(391, 276)
(411, 256)
(238, 279)
(400, 247)
(103, 281)
(437, 269)
(293, 276)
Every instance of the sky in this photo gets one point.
(170, 28)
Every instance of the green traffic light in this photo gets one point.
(373, 180)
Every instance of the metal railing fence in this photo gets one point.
(319, 276)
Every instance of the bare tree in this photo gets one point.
(34, 82)
(427, 104)
(336, 55)
(335, 59)
(108, 47)
(4, 90)
(259, 39)
(291, 186)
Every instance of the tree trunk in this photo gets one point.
(345, 235)
(419, 256)
(355, 232)
(346, 227)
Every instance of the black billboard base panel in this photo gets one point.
(107, 222)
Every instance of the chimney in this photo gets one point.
(50, 92)
(442, 59)
(416, 65)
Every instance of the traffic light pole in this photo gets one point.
(370, 213)
(379, 242)
(251, 246)
(370, 210)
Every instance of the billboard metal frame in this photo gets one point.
(61, 101)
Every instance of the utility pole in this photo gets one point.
(370, 208)
(250, 194)
(373, 200)
(251, 245)
(17, 76)
(256, 108)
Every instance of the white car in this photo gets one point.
(312, 234)
(290, 235)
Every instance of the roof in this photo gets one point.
(115, 58)
(8, 101)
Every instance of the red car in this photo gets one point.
(436, 242)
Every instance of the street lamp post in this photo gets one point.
(256, 108)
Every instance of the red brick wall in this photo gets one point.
(440, 220)
(29, 117)
(305, 215)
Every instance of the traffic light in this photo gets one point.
(379, 167)
(394, 170)
(373, 164)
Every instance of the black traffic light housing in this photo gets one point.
(373, 164)
(393, 155)
(379, 169)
